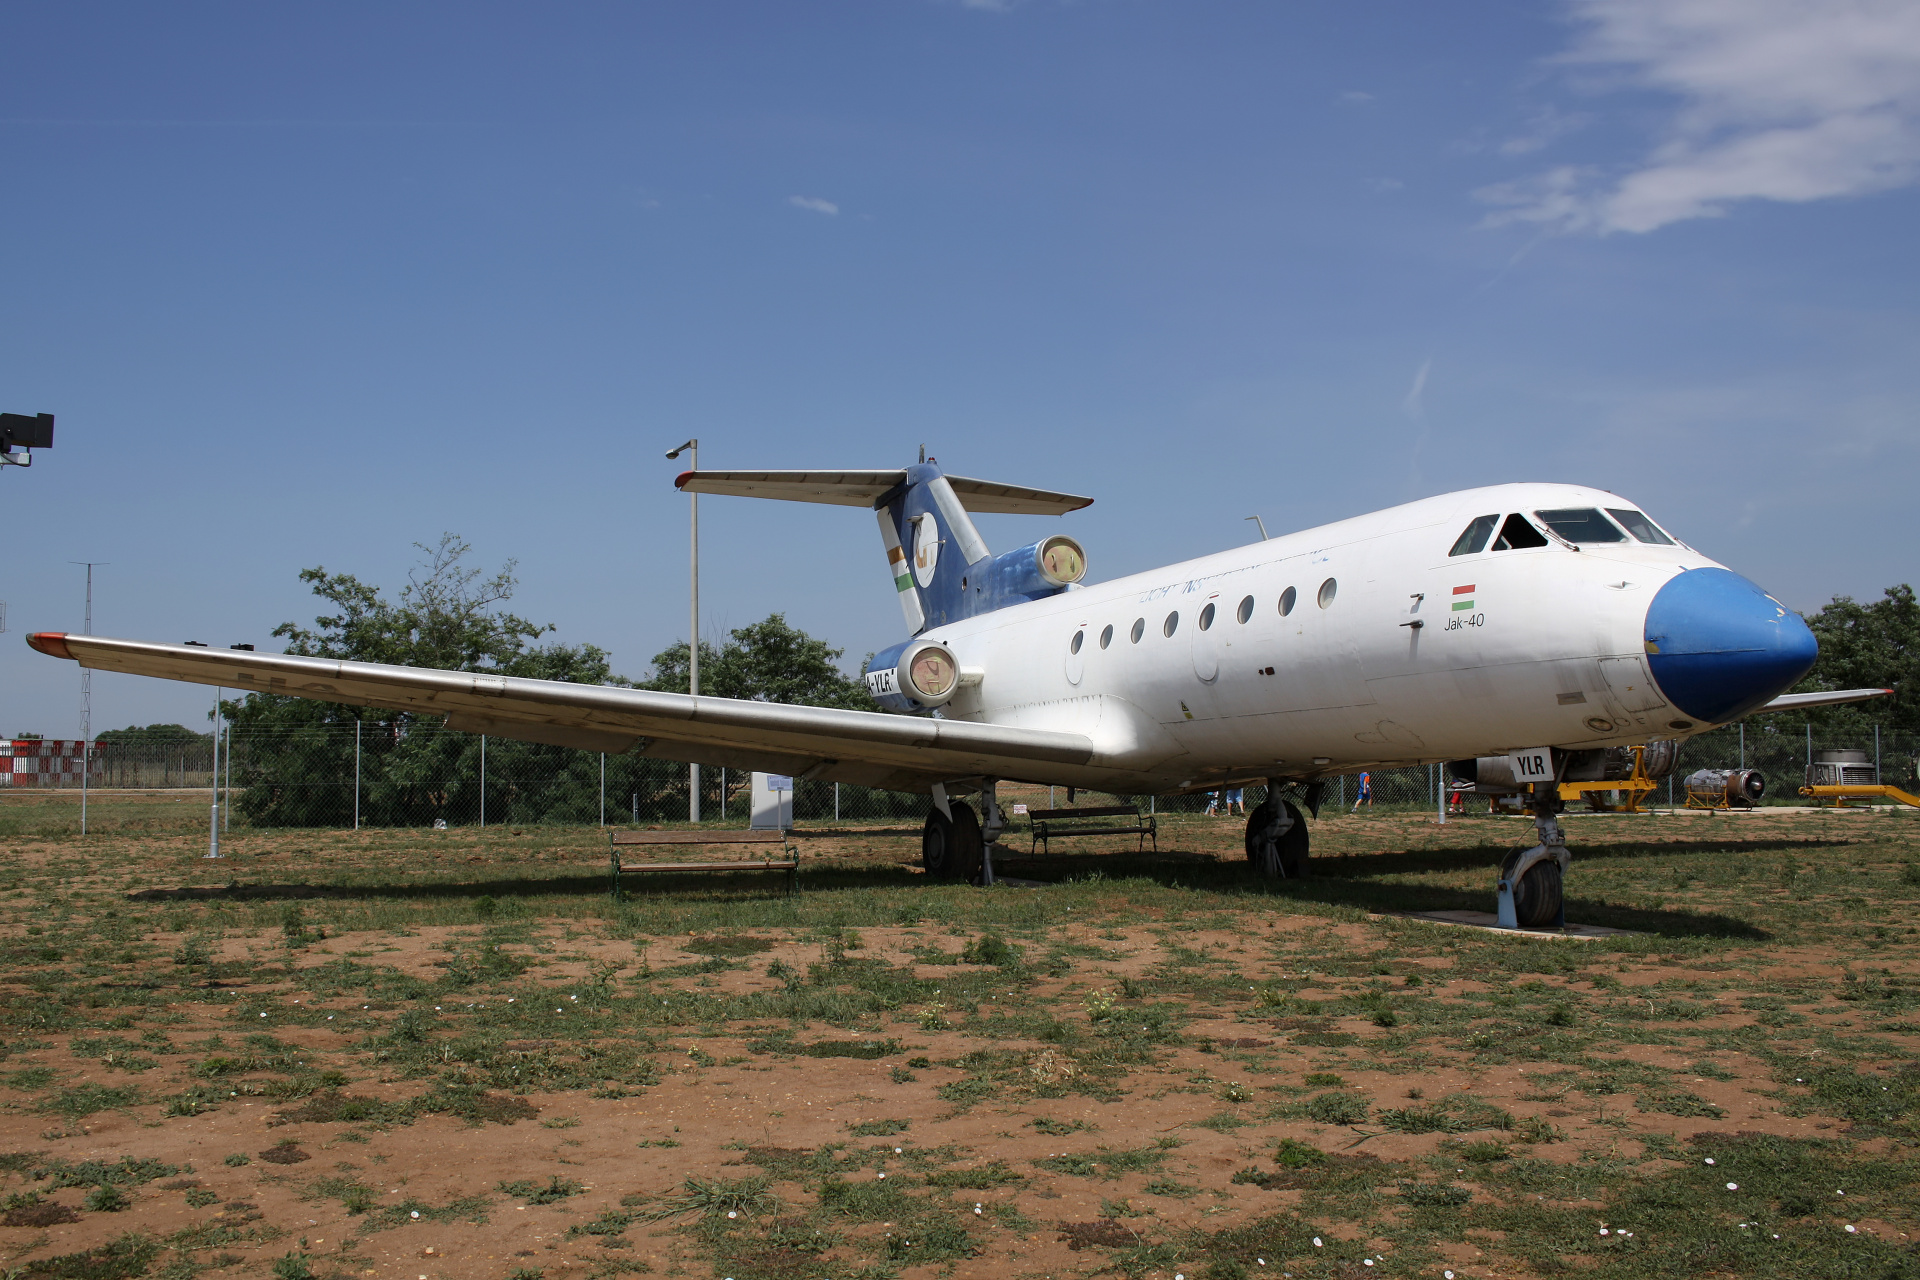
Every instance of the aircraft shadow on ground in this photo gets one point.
(1352, 881)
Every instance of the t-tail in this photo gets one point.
(939, 564)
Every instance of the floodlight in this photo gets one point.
(679, 449)
(29, 433)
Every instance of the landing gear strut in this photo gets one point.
(1277, 842)
(1530, 888)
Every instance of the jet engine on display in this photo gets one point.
(1533, 635)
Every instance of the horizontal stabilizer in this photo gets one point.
(1827, 698)
(865, 488)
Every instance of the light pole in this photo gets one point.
(692, 447)
(86, 695)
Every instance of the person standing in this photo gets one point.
(1236, 796)
(1365, 797)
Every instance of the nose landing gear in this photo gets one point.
(1531, 880)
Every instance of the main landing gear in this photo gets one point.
(1277, 841)
(1530, 889)
(954, 845)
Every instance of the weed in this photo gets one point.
(107, 1198)
(878, 1128)
(557, 1189)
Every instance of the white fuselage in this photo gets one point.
(1549, 652)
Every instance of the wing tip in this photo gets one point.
(680, 481)
(51, 643)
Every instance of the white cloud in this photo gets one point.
(1356, 96)
(1778, 100)
(814, 203)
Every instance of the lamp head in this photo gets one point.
(678, 450)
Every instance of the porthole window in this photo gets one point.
(1078, 636)
(1206, 618)
(1106, 635)
(1246, 609)
(1328, 590)
(1139, 629)
(1287, 598)
(1172, 624)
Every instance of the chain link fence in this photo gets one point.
(368, 775)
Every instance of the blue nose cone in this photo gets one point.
(1721, 647)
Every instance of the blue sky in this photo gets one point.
(307, 285)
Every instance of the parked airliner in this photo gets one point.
(1545, 623)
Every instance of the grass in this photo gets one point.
(1404, 1093)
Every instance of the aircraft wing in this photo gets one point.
(870, 748)
(1825, 698)
(865, 488)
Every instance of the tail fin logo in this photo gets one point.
(926, 548)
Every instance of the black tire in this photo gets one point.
(1537, 896)
(969, 850)
(1288, 856)
(950, 847)
(936, 845)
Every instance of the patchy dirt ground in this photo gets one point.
(451, 1054)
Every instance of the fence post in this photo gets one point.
(836, 786)
(356, 775)
(226, 814)
(1743, 744)
(483, 782)
(603, 788)
(723, 793)
(1809, 752)
(1876, 755)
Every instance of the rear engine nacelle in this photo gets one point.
(1046, 568)
(915, 676)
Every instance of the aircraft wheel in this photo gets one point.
(1537, 898)
(1285, 855)
(969, 851)
(936, 845)
(950, 847)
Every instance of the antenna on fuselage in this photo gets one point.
(1263, 527)
(923, 455)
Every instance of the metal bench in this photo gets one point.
(1058, 824)
(655, 839)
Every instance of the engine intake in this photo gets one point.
(915, 676)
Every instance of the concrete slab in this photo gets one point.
(1491, 923)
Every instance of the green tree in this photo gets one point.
(296, 756)
(154, 735)
(766, 661)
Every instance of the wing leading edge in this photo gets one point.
(865, 747)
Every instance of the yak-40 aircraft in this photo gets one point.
(1527, 633)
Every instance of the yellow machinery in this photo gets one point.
(1838, 796)
(1629, 788)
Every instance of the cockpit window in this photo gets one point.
(1639, 526)
(1474, 539)
(1581, 524)
(1517, 533)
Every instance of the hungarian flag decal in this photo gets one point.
(1458, 602)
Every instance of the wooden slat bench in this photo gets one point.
(627, 838)
(1058, 824)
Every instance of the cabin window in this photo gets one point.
(1516, 533)
(1139, 629)
(1581, 524)
(1474, 539)
(1246, 609)
(1206, 618)
(1171, 625)
(1637, 524)
(1106, 635)
(1287, 598)
(1078, 636)
(1328, 590)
